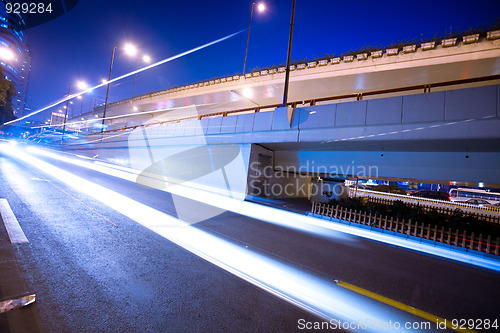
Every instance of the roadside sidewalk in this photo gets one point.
(13, 285)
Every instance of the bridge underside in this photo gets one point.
(460, 162)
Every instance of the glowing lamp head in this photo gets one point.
(81, 85)
(261, 7)
(130, 49)
(6, 53)
(146, 59)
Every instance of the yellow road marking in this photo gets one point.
(401, 306)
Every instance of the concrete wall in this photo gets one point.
(458, 114)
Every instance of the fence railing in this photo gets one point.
(442, 210)
(482, 243)
(434, 203)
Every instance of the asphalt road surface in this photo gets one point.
(95, 270)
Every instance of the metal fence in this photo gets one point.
(440, 209)
(432, 203)
(482, 243)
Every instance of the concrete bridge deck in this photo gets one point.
(437, 137)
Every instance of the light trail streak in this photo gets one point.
(142, 69)
(316, 295)
(279, 217)
(126, 115)
(430, 317)
(275, 216)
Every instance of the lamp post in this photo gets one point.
(147, 60)
(260, 8)
(130, 50)
(287, 75)
(81, 85)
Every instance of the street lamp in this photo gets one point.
(260, 7)
(129, 50)
(6, 53)
(80, 85)
(146, 59)
(287, 75)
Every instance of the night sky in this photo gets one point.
(78, 45)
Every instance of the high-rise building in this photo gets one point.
(16, 69)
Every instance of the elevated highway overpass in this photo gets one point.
(437, 137)
(430, 114)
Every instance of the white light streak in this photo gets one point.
(309, 292)
(279, 217)
(145, 68)
(128, 115)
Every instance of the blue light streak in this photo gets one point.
(316, 295)
(282, 218)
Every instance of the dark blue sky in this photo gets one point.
(78, 45)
